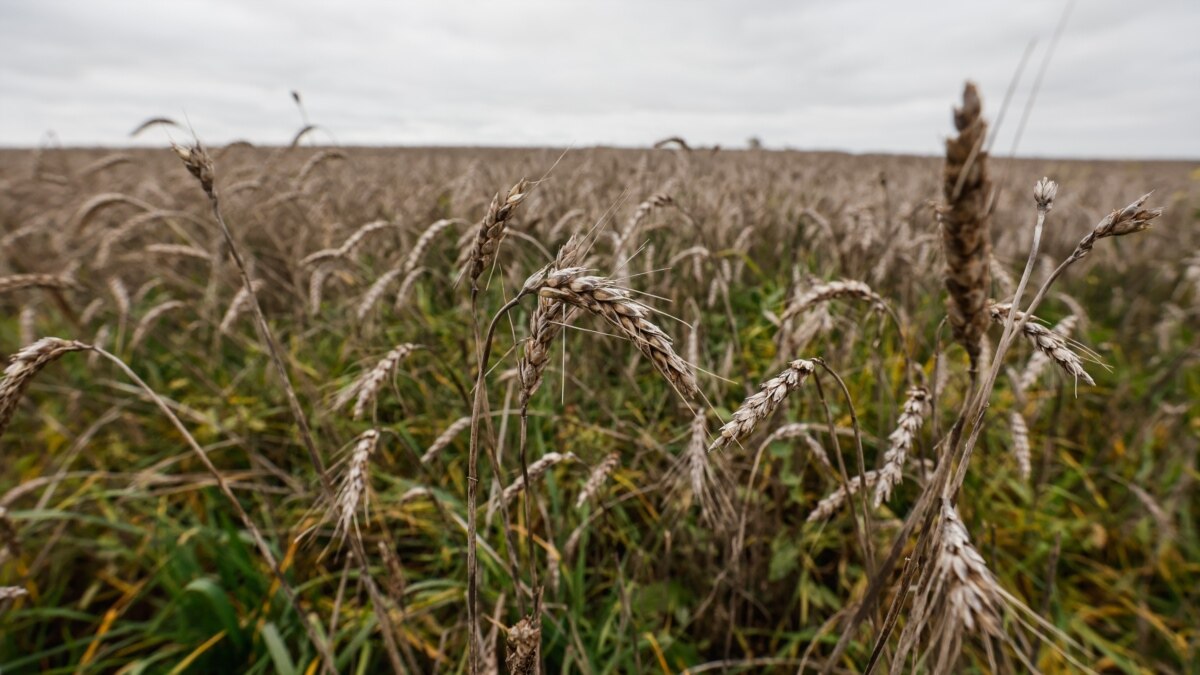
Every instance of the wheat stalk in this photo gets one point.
(352, 489)
(445, 438)
(147, 322)
(900, 442)
(371, 297)
(695, 471)
(491, 231)
(833, 502)
(833, 290)
(364, 389)
(964, 219)
(17, 282)
(347, 247)
(601, 297)
(536, 471)
(241, 301)
(760, 405)
(596, 478)
(26, 364)
(1053, 345)
(1020, 443)
(803, 431)
(970, 597)
(179, 250)
(423, 242)
(545, 324)
(1038, 360)
(406, 285)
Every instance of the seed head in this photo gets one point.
(1044, 193)
(197, 161)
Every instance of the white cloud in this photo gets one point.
(860, 75)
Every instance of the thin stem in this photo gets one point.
(837, 451)
(980, 403)
(264, 333)
(862, 462)
(485, 350)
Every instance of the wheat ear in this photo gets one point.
(900, 442)
(759, 406)
(964, 219)
(24, 366)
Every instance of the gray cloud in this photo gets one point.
(861, 75)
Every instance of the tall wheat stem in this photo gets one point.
(484, 350)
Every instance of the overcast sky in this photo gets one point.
(861, 75)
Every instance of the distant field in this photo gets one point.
(653, 555)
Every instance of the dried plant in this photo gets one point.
(536, 471)
(24, 366)
(900, 443)
(1053, 345)
(445, 438)
(964, 218)
(833, 290)
(363, 390)
(491, 231)
(758, 407)
(352, 489)
(617, 306)
(597, 478)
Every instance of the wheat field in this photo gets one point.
(448, 410)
